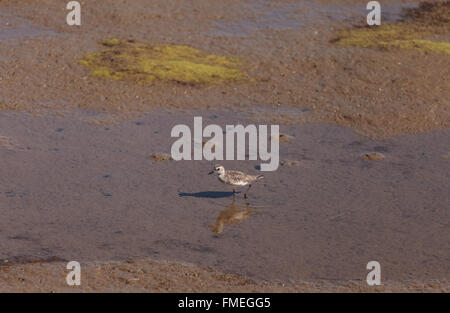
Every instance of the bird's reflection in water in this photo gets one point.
(233, 214)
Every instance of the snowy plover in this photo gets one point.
(235, 178)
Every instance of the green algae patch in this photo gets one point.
(423, 45)
(410, 33)
(403, 36)
(146, 63)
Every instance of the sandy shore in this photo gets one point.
(150, 276)
(364, 176)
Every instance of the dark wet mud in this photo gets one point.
(76, 191)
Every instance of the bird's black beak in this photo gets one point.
(212, 172)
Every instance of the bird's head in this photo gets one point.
(218, 169)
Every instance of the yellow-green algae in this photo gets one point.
(428, 19)
(143, 62)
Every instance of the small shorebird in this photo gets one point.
(234, 178)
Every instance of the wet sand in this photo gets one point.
(82, 176)
(375, 92)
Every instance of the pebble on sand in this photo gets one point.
(160, 157)
(373, 156)
(290, 163)
(285, 138)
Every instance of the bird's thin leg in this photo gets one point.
(245, 194)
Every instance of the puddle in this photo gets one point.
(280, 17)
(295, 15)
(12, 27)
(322, 218)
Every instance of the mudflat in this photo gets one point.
(81, 192)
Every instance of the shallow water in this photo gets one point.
(75, 191)
(14, 28)
(301, 14)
